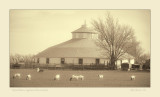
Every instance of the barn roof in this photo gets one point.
(76, 47)
(73, 48)
(79, 48)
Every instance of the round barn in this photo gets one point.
(81, 49)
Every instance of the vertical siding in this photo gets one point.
(88, 61)
(103, 61)
(55, 60)
(75, 61)
(69, 60)
(42, 60)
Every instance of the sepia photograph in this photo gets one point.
(80, 48)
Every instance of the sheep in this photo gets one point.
(100, 76)
(77, 77)
(57, 77)
(17, 75)
(74, 77)
(129, 69)
(133, 77)
(39, 70)
(81, 77)
(28, 77)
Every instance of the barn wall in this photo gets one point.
(54, 60)
(42, 60)
(35, 60)
(88, 61)
(125, 61)
(132, 61)
(70, 60)
(103, 61)
(118, 64)
(75, 62)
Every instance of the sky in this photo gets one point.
(32, 31)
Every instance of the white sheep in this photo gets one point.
(28, 77)
(57, 77)
(77, 77)
(129, 69)
(17, 75)
(100, 76)
(39, 70)
(133, 77)
(81, 77)
(74, 77)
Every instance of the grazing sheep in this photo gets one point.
(81, 77)
(100, 76)
(133, 77)
(129, 69)
(74, 77)
(28, 77)
(57, 77)
(39, 70)
(17, 75)
(77, 77)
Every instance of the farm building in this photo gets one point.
(81, 49)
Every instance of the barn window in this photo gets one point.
(97, 61)
(62, 60)
(80, 61)
(38, 60)
(47, 60)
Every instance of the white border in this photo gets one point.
(81, 4)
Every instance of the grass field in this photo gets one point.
(111, 78)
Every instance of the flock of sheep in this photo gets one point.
(57, 76)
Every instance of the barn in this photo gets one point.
(80, 50)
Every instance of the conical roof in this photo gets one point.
(73, 48)
(76, 48)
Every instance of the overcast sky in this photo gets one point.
(32, 31)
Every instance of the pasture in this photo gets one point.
(111, 78)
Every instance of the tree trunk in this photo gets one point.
(112, 62)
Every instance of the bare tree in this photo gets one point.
(114, 39)
(136, 50)
(138, 53)
(143, 58)
(27, 60)
(14, 59)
